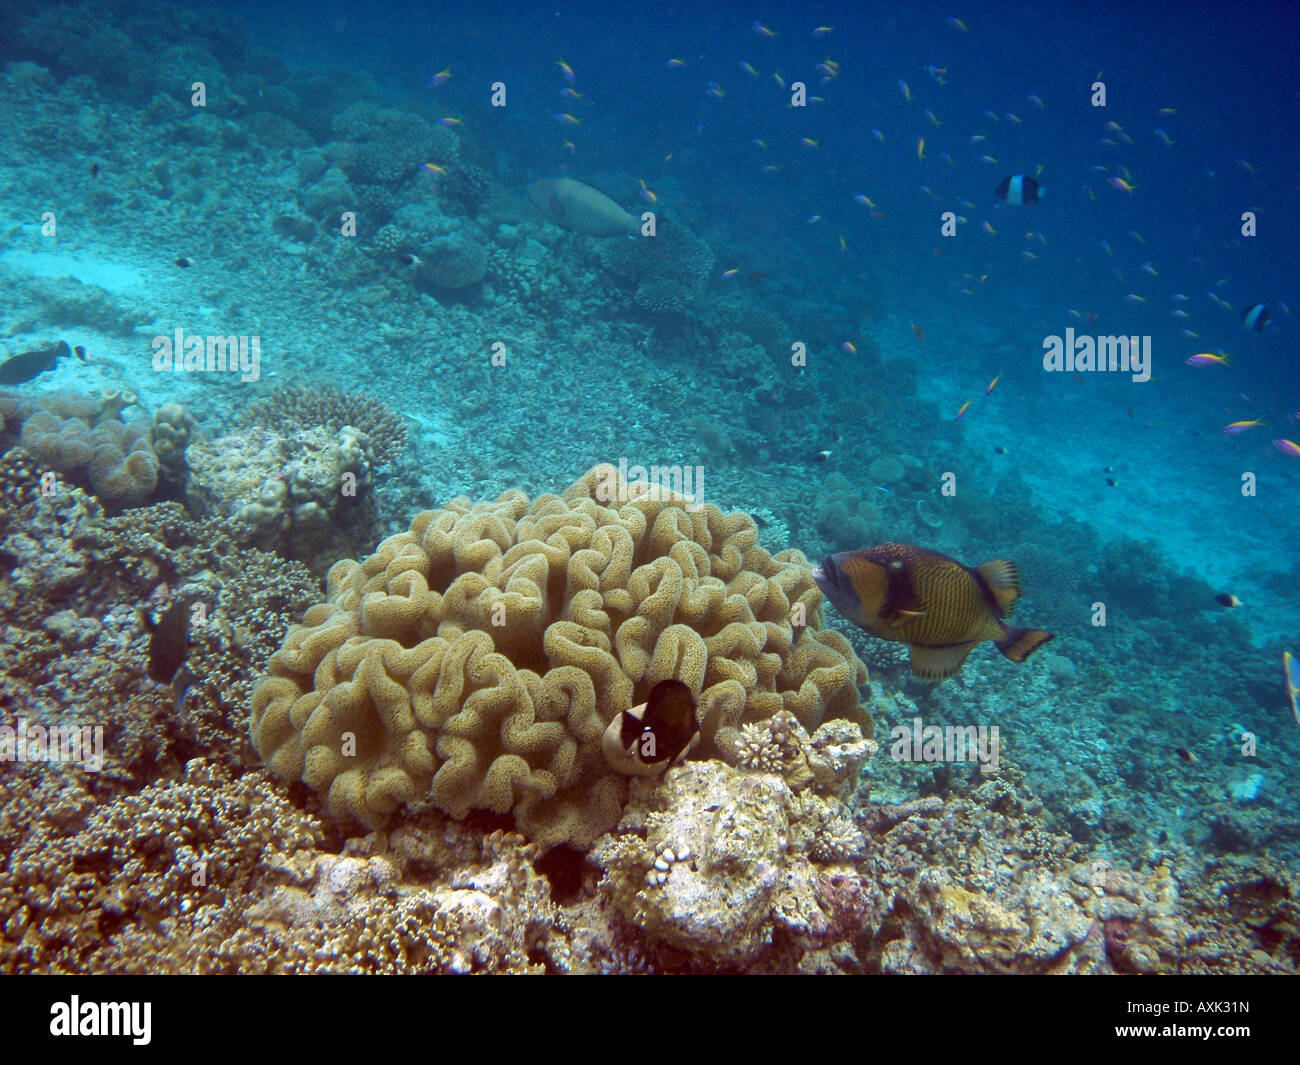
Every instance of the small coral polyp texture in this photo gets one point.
(474, 661)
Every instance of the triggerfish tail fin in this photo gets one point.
(1019, 644)
(940, 663)
(1003, 578)
(1292, 669)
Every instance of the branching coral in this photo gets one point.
(72, 647)
(209, 874)
(667, 270)
(389, 143)
(476, 659)
(293, 408)
(82, 438)
(83, 876)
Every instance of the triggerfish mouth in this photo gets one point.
(940, 608)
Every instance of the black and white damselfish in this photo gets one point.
(1020, 189)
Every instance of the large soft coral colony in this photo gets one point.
(475, 660)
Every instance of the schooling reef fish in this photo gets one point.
(581, 208)
(30, 364)
(929, 601)
(659, 733)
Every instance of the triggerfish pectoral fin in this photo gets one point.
(940, 663)
(1019, 644)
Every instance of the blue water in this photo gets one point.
(984, 301)
(826, 223)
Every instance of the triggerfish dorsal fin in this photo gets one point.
(1019, 644)
(936, 605)
(1003, 579)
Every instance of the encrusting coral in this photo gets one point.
(475, 660)
(715, 866)
(307, 495)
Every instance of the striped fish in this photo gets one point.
(931, 602)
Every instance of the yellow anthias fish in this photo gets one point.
(1240, 427)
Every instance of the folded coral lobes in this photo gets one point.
(477, 660)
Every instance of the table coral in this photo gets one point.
(476, 659)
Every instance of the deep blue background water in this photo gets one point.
(1226, 69)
